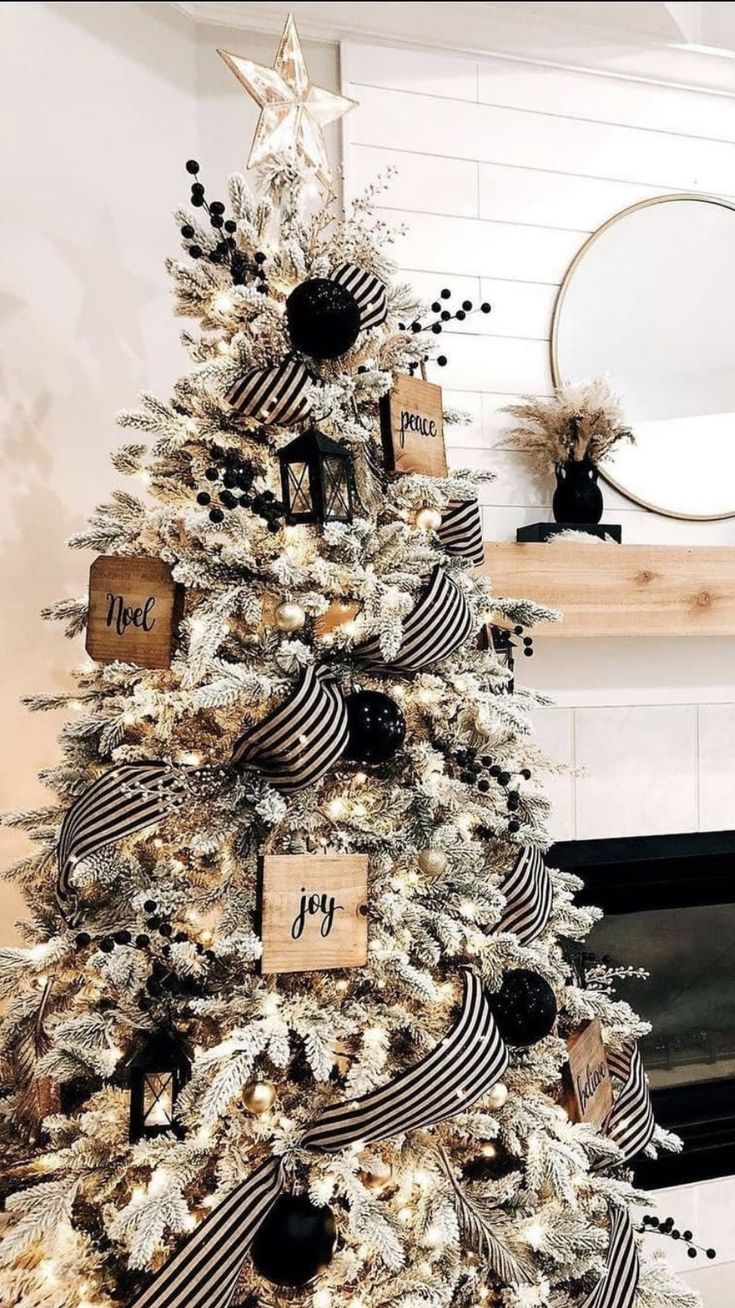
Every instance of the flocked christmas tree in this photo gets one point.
(292, 1016)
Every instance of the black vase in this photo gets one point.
(577, 498)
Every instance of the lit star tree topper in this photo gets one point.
(292, 110)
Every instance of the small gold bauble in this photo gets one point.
(380, 1174)
(290, 617)
(258, 1096)
(428, 519)
(433, 862)
(488, 1150)
(498, 1095)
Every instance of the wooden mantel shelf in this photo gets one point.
(620, 590)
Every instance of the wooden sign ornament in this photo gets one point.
(586, 1077)
(313, 912)
(134, 609)
(412, 427)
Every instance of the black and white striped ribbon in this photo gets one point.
(124, 800)
(279, 395)
(459, 1071)
(204, 1272)
(295, 746)
(461, 531)
(368, 290)
(292, 748)
(439, 624)
(618, 1284)
(630, 1122)
(529, 897)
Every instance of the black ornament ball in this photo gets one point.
(296, 1241)
(524, 1007)
(376, 726)
(323, 318)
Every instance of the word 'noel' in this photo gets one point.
(121, 615)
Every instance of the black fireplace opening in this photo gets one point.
(669, 904)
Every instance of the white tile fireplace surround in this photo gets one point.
(505, 165)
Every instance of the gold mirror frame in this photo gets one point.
(556, 317)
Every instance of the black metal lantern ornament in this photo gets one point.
(158, 1073)
(316, 480)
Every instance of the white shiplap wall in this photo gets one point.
(505, 165)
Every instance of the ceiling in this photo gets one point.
(699, 24)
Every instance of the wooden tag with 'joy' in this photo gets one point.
(313, 911)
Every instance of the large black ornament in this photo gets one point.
(295, 1242)
(524, 1007)
(376, 726)
(323, 318)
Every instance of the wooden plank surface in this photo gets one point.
(314, 912)
(621, 590)
(134, 607)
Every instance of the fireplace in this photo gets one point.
(669, 904)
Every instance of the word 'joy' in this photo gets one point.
(121, 615)
(313, 905)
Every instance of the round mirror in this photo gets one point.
(650, 302)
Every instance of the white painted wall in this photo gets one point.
(98, 116)
(101, 107)
(505, 165)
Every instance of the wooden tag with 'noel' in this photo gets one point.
(313, 911)
(412, 427)
(586, 1078)
(134, 609)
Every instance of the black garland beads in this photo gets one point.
(224, 250)
(444, 316)
(482, 772)
(230, 479)
(162, 979)
(652, 1225)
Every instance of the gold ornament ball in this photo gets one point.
(259, 1096)
(488, 1150)
(380, 1174)
(290, 617)
(497, 1095)
(433, 862)
(428, 519)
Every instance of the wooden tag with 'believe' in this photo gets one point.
(586, 1078)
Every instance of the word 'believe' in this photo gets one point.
(121, 615)
(315, 904)
(415, 422)
(593, 1079)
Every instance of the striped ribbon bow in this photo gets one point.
(367, 289)
(618, 1284)
(461, 531)
(462, 1068)
(630, 1122)
(279, 395)
(529, 897)
(292, 748)
(295, 746)
(438, 625)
